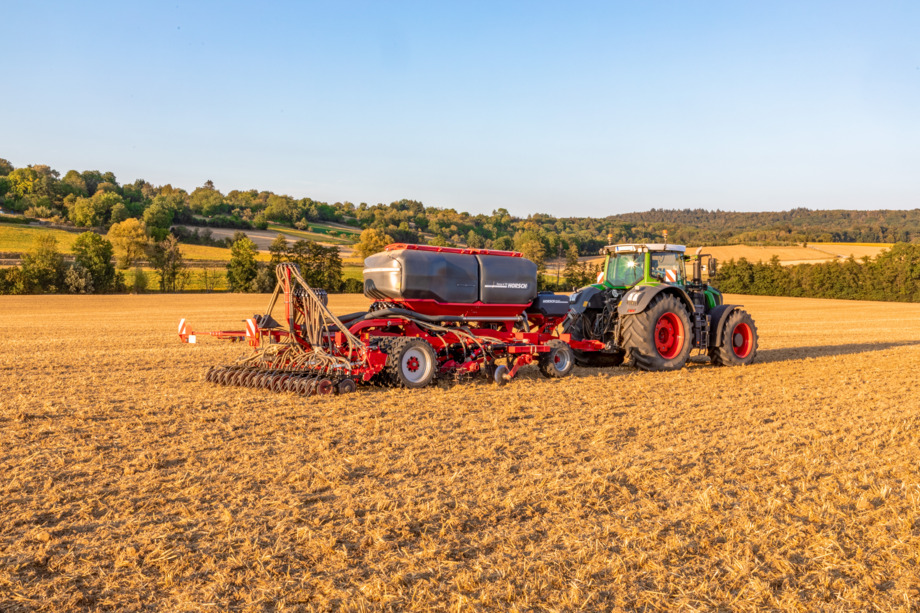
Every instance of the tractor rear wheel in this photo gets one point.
(739, 341)
(558, 361)
(658, 338)
(411, 362)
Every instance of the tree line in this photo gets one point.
(894, 275)
(320, 266)
(95, 199)
(99, 264)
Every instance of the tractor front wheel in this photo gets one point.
(658, 338)
(558, 361)
(739, 341)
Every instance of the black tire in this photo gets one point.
(592, 359)
(739, 341)
(346, 386)
(411, 362)
(660, 337)
(558, 362)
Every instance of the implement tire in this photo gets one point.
(558, 362)
(739, 341)
(660, 337)
(411, 362)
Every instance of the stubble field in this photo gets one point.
(127, 483)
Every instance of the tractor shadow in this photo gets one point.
(822, 351)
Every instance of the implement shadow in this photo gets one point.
(800, 353)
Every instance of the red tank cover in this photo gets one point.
(448, 281)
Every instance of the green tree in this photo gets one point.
(43, 267)
(166, 258)
(278, 250)
(74, 183)
(139, 286)
(533, 251)
(77, 280)
(159, 216)
(243, 268)
(281, 208)
(474, 240)
(129, 238)
(206, 200)
(11, 281)
(118, 213)
(320, 266)
(265, 280)
(94, 254)
(23, 181)
(372, 241)
(576, 274)
(95, 210)
(5, 167)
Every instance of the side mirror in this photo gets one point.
(712, 265)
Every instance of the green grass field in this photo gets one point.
(320, 236)
(352, 272)
(17, 238)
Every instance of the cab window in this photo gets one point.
(667, 267)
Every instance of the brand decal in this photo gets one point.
(507, 286)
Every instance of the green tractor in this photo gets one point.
(645, 308)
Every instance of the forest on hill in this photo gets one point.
(140, 220)
(95, 199)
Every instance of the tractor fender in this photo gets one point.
(586, 298)
(717, 317)
(638, 298)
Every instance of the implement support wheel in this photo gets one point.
(558, 361)
(411, 362)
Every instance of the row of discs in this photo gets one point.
(279, 381)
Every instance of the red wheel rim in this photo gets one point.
(669, 336)
(413, 364)
(742, 340)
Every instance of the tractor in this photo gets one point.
(645, 309)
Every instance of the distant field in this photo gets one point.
(16, 238)
(320, 237)
(857, 250)
(814, 253)
(788, 256)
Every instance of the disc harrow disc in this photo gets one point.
(324, 387)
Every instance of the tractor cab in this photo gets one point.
(642, 264)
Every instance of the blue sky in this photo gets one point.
(574, 108)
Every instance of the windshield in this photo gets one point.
(625, 269)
